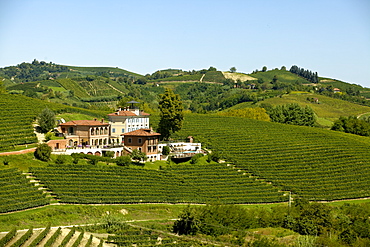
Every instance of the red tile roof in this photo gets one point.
(84, 123)
(128, 113)
(141, 132)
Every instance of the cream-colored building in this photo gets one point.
(126, 120)
(85, 132)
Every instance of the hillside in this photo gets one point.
(327, 109)
(18, 114)
(313, 163)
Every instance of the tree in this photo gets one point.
(123, 160)
(42, 152)
(138, 155)
(166, 150)
(264, 69)
(46, 120)
(171, 113)
(232, 69)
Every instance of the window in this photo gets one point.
(113, 130)
(123, 130)
(140, 140)
(129, 140)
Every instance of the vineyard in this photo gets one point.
(313, 163)
(17, 115)
(17, 193)
(177, 184)
(49, 236)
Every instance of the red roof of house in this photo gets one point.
(84, 123)
(128, 113)
(141, 132)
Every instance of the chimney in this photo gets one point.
(94, 119)
(102, 120)
(120, 109)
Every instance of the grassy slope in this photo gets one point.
(282, 75)
(328, 109)
(93, 70)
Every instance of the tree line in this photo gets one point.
(305, 73)
(346, 225)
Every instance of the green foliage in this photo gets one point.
(17, 193)
(213, 156)
(42, 152)
(352, 125)
(109, 154)
(61, 159)
(8, 237)
(232, 69)
(53, 238)
(166, 150)
(123, 160)
(23, 239)
(41, 236)
(171, 114)
(288, 156)
(257, 113)
(49, 136)
(292, 114)
(179, 183)
(68, 237)
(195, 158)
(46, 120)
(138, 155)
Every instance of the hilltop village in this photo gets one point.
(127, 130)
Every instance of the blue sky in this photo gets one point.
(331, 37)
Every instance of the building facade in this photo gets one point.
(81, 133)
(126, 120)
(145, 140)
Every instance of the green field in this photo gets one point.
(327, 110)
(282, 76)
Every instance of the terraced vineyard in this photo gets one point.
(17, 193)
(179, 184)
(17, 114)
(314, 163)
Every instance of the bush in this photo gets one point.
(195, 158)
(123, 161)
(61, 159)
(43, 152)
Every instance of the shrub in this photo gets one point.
(43, 152)
(195, 158)
(61, 159)
(123, 161)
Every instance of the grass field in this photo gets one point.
(327, 110)
(282, 75)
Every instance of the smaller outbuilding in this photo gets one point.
(145, 140)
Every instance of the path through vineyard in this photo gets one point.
(64, 233)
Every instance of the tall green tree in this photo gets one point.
(171, 113)
(46, 120)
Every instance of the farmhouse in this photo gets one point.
(85, 132)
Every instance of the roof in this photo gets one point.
(84, 123)
(141, 132)
(128, 113)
